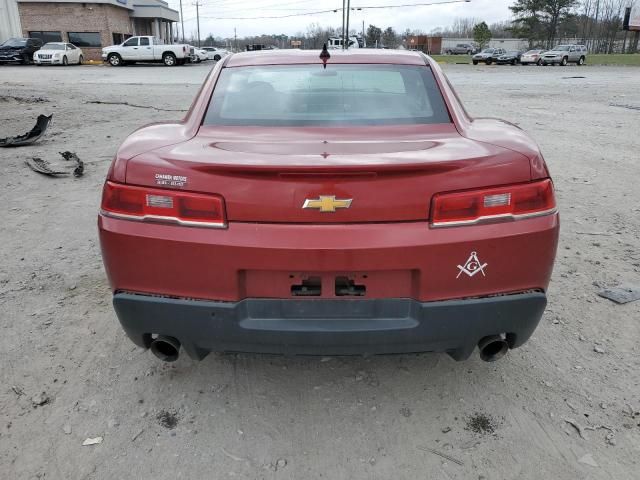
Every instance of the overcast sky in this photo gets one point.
(424, 18)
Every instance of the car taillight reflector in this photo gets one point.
(510, 202)
(159, 205)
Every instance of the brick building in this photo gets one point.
(95, 24)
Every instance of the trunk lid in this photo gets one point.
(365, 174)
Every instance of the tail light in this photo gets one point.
(164, 206)
(511, 202)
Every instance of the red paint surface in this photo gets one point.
(383, 241)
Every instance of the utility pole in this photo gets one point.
(182, 20)
(235, 39)
(344, 2)
(197, 4)
(364, 39)
(347, 33)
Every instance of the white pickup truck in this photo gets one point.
(146, 49)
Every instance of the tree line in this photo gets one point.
(542, 23)
(596, 23)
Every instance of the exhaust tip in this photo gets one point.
(166, 349)
(492, 348)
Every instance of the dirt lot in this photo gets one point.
(564, 406)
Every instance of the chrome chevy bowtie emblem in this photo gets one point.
(472, 266)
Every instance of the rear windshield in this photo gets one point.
(297, 95)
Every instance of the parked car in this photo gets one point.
(199, 55)
(532, 56)
(512, 58)
(488, 55)
(371, 217)
(19, 50)
(58, 53)
(461, 49)
(146, 49)
(252, 47)
(214, 53)
(564, 54)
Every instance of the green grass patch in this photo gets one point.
(452, 58)
(614, 59)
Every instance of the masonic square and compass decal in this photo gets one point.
(472, 266)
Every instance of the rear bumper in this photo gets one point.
(329, 326)
(401, 260)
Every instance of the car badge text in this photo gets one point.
(472, 266)
(327, 203)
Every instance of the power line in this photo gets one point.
(335, 10)
(235, 5)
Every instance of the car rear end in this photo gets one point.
(352, 213)
(532, 56)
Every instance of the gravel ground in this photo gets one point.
(564, 406)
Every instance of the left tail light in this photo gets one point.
(163, 206)
(510, 202)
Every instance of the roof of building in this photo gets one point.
(116, 3)
(356, 55)
(137, 8)
(153, 9)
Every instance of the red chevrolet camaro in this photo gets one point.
(329, 204)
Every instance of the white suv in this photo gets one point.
(563, 54)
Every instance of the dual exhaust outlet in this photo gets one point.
(166, 349)
(492, 348)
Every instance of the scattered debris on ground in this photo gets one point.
(277, 465)
(42, 123)
(443, 455)
(92, 441)
(58, 169)
(127, 104)
(406, 412)
(622, 294)
(577, 426)
(12, 98)
(78, 171)
(42, 166)
(17, 390)
(630, 107)
(481, 423)
(40, 400)
(168, 419)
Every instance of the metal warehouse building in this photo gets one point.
(89, 25)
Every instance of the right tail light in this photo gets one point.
(510, 202)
